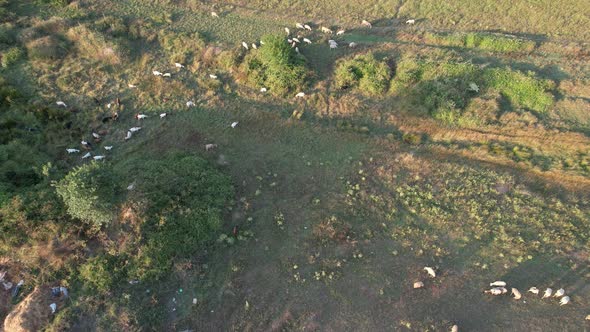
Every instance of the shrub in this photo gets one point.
(275, 65)
(103, 272)
(11, 56)
(365, 72)
(89, 193)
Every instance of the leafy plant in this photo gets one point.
(11, 56)
(365, 72)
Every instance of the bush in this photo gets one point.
(276, 66)
(103, 272)
(365, 72)
(11, 56)
(89, 193)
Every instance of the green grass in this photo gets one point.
(481, 41)
(364, 72)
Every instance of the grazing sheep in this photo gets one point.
(412, 21)
(366, 23)
(534, 290)
(214, 14)
(305, 40)
(84, 143)
(210, 147)
(455, 328)
(289, 40)
(254, 46)
(61, 103)
(131, 186)
(140, 116)
(167, 75)
(352, 45)
(234, 124)
(430, 271)
(95, 135)
(190, 103)
(108, 148)
(325, 30)
(559, 293)
(300, 95)
(307, 27)
(588, 317)
(340, 32)
(132, 85)
(86, 155)
(129, 134)
(134, 129)
(109, 105)
(564, 300)
(262, 42)
(263, 90)
(547, 293)
(418, 284)
(516, 294)
(293, 45)
(245, 45)
(178, 65)
(163, 115)
(498, 284)
(156, 73)
(299, 26)
(213, 76)
(295, 39)
(72, 151)
(98, 157)
(496, 291)
(287, 31)
(297, 50)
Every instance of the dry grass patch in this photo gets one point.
(93, 45)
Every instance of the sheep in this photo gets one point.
(190, 103)
(333, 46)
(167, 75)
(98, 157)
(547, 293)
(296, 40)
(455, 328)
(131, 186)
(263, 90)
(109, 105)
(300, 95)
(245, 45)
(307, 27)
(293, 45)
(287, 31)
(132, 86)
(534, 290)
(254, 46)
(289, 40)
(140, 116)
(156, 73)
(410, 22)
(325, 30)
(61, 103)
(213, 76)
(163, 115)
(366, 23)
(210, 147)
(178, 65)
(516, 294)
(496, 291)
(559, 293)
(234, 124)
(352, 45)
(108, 148)
(214, 14)
(564, 300)
(86, 155)
(297, 50)
(129, 134)
(588, 317)
(418, 284)
(95, 135)
(498, 284)
(72, 151)
(134, 129)
(305, 40)
(299, 26)
(84, 143)
(340, 32)
(430, 271)
(262, 42)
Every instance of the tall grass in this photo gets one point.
(481, 41)
(364, 72)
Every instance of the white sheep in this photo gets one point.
(132, 86)
(98, 157)
(163, 115)
(86, 155)
(134, 129)
(95, 135)
(325, 30)
(178, 65)
(84, 143)
(263, 90)
(455, 328)
(287, 31)
(156, 73)
(245, 45)
(131, 186)
(129, 134)
(214, 14)
(430, 271)
(299, 26)
(307, 27)
(190, 103)
(418, 284)
(297, 50)
(564, 300)
(559, 293)
(108, 148)
(412, 21)
(305, 40)
(547, 293)
(498, 284)
(254, 46)
(300, 95)
(340, 32)
(516, 293)
(210, 147)
(234, 124)
(166, 75)
(213, 76)
(366, 23)
(295, 39)
(534, 290)
(495, 291)
(352, 45)
(72, 151)
(61, 103)
(140, 116)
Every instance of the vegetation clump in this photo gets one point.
(364, 72)
(276, 66)
(481, 41)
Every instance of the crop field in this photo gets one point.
(212, 166)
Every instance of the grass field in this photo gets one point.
(460, 142)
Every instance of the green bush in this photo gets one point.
(185, 197)
(486, 42)
(103, 272)
(365, 72)
(11, 56)
(89, 193)
(276, 66)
